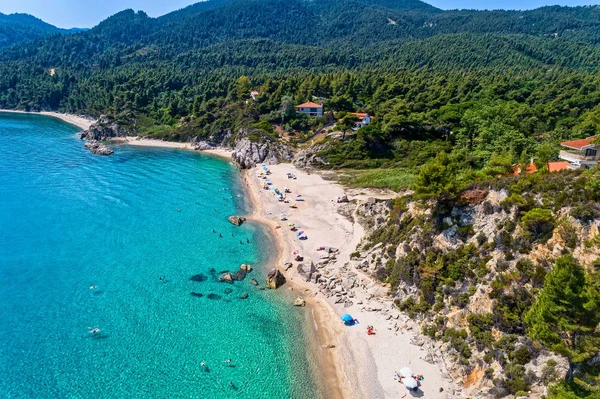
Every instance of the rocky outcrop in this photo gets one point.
(248, 152)
(275, 279)
(104, 129)
(309, 158)
(98, 148)
(236, 220)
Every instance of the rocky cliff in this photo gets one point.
(469, 275)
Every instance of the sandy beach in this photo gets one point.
(76, 120)
(354, 364)
(145, 142)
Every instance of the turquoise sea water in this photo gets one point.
(70, 220)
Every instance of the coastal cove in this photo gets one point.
(112, 243)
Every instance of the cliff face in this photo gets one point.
(249, 153)
(469, 279)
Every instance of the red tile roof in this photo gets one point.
(360, 115)
(579, 144)
(309, 104)
(517, 170)
(558, 166)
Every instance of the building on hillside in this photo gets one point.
(529, 169)
(310, 109)
(581, 153)
(557, 166)
(363, 119)
(254, 95)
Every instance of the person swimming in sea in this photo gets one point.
(94, 330)
(220, 235)
(93, 287)
(241, 242)
(247, 241)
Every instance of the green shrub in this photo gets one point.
(520, 356)
(538, 223)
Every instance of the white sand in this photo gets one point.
(79, 121)
(365, 364)
(145, 142)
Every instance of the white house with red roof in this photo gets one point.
(581, 153)
(363, 119)
(310, 109)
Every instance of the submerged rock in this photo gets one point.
(275, 279)
(227, 291)
(213, 274)
(214, 297)
(236, 220)
(197, 294)
(244, 295)
(199, 278)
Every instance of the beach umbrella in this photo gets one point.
(299, 233)
(406, 372)
(410, 383)
(347, 318)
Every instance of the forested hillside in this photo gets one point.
(18, 28)
(457, 99)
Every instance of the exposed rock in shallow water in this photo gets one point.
(275, 279)
(199, 278)
(244, 295)
(98, 148)
(214, 297)
(241, 274)
(226, 277)
(236, 220)
(253, 281)
(197, 294)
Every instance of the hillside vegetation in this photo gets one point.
(19, 28)
(457, 98)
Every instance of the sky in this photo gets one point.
(88, 13)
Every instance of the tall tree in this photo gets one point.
(566, 314)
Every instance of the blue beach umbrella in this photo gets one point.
(347, 318)
(299, 233)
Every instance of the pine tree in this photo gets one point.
(566, 314)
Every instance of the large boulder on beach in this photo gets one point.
(236, 220)
(275, 279)
(307, 271)
(300, 302)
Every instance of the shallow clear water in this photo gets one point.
(70, 220)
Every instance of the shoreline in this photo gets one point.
(75, 120)
(146, 142)
(336, 386)
(352, 364)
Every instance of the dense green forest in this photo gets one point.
(18, 28)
